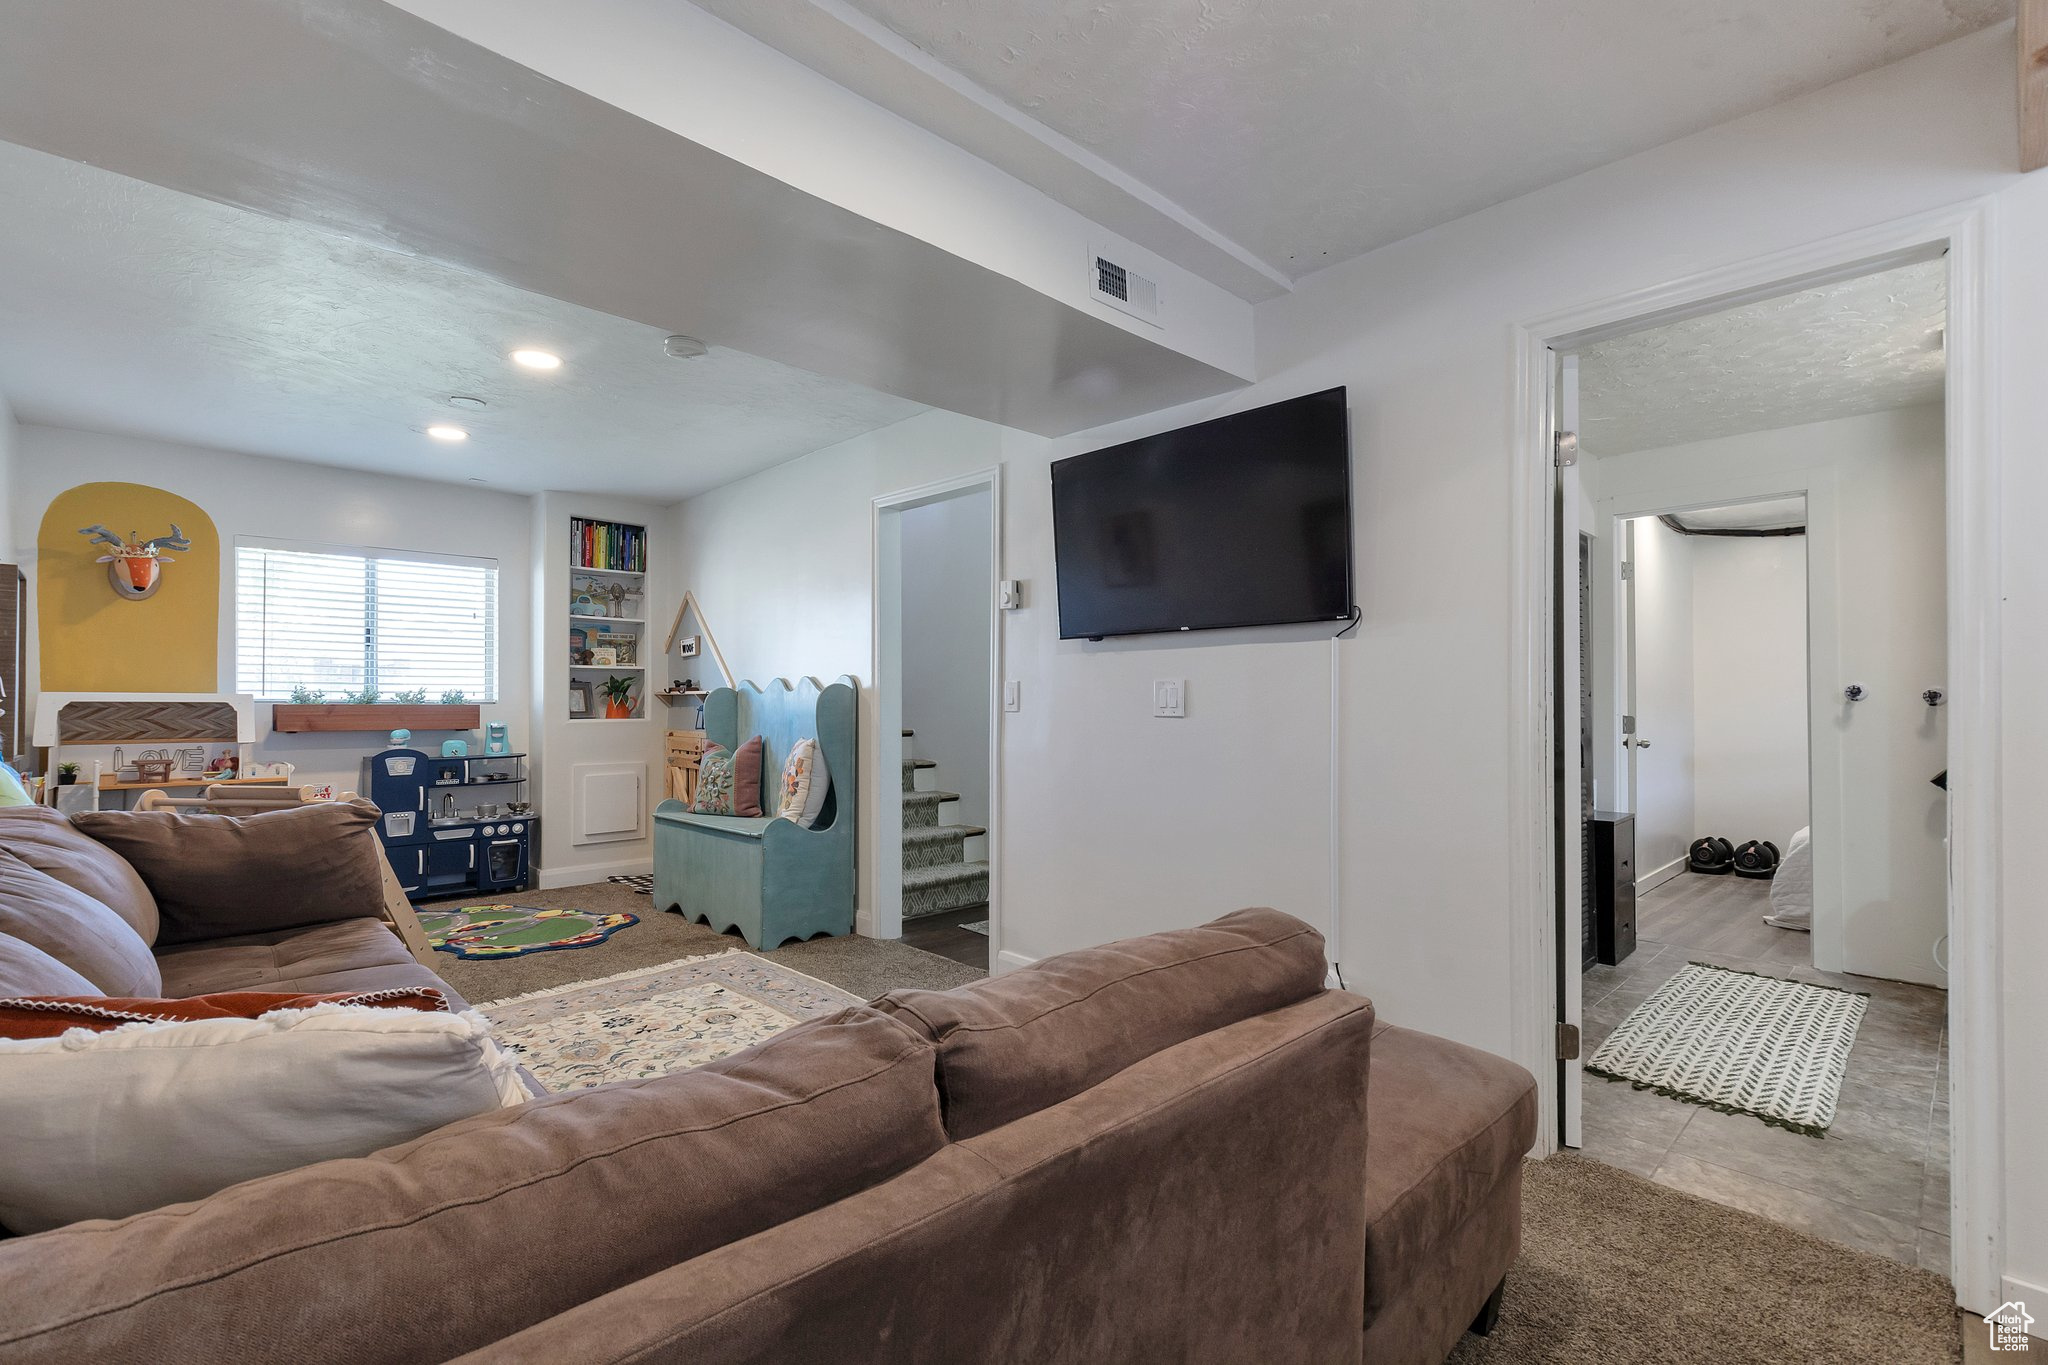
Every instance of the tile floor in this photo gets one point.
(1878, 1181)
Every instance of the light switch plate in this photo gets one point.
(1010, 594)
(1013, 696)
(1170, 697)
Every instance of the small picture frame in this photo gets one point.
(688, 645)
(579, 699)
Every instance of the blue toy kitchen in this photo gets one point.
(454, 824)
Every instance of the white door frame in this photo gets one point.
(885, 919)
(1973, 480)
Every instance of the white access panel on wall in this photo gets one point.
(609, 802)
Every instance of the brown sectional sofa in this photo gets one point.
(1176, 1148)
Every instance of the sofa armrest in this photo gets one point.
(219, 876)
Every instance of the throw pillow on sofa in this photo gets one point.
(805, 783)
(103, 1125)
(217, 876)
(27, 970)
(75, 929)
(48, 842)
(48, 1016)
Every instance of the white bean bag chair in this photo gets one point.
(1792, 888)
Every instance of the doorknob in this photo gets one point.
(1639, 743)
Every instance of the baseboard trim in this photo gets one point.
(2020, 1291)
(1007, 961)
(583, 874)
(1650, 881)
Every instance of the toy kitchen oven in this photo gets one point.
(455, 825)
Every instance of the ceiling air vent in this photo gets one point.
(1123, 288)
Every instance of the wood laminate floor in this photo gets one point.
(1878, 1181)
(942, 934)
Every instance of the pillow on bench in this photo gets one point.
(729, 783)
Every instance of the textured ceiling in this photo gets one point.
(1855, 346)
(1768, 515)
(1307, 132)
(129, 308)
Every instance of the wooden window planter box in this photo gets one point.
(288, 718)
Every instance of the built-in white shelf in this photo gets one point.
(610, 620)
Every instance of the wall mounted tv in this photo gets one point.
(1240, 521)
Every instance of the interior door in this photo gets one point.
(1573, 802)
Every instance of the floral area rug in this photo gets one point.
(657, 1020)
(493, 931)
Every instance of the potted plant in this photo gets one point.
(67, 774)
(618, 698)
(368, 709)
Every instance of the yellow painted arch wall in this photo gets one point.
(91, 639)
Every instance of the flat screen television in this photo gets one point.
(1240, 521)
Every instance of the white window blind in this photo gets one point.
(344, 621)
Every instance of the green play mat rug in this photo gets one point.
(491, 931)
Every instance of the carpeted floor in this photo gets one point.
(1617, 1270)
(864, 966)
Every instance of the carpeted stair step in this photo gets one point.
(921, 809)
(954, 886)
(937, 845)
(911, 768)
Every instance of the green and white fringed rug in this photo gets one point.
(1741, 1044)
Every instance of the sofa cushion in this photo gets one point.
(48, 842)
(27, 970)
(76, 930)
(349, 955)
(1017, 1043)
(1446, 1124)
(219, 875)
(462, 1237)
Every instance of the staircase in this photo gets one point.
(938, 874)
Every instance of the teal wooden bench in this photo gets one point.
(771, 879)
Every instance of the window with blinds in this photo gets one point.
(344, 621)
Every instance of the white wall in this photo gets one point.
(1665, 700)
(948, 593)
(291, 500)
(10, 441)
(1421, 332)
(1749, 685)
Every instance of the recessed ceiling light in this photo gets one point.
(537, 360)
(464, 400)
(444, 433)
(685, 348)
